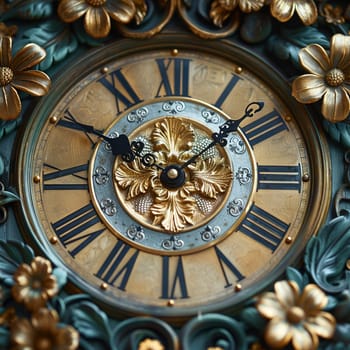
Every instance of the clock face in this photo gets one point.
(188, 225)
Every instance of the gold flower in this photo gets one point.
(15, 74)
(150, 344)
(98, 13)
(295, 317)
(43, 332)
(220, 10)
(34, 284)
(284, 10)
(329, 78)
(174, 209)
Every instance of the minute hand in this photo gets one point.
(229, 126)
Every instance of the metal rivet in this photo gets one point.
(238, 287)
(104, 286)
(174, 52)
(53, 240)
(306, 177)
(171, 302)
(289, 240)
(239, 70)
(288, 118)
(104, 70)
(36, 179)
(53, 120)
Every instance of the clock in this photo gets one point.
(171, 177)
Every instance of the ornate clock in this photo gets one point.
(172, 180)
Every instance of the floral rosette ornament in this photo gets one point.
(16, 73)
(98, 13)
(328, 78)
(295, 316)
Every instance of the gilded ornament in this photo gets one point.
(150, 344)
(43, 332)
(332, 14)
(283, 10)
(173, 209)
(34, 284)
(15, 73)
(98, 13)
(328, 78)
(295, 316)
(7, 30)
(221, 10)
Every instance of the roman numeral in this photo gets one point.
(264, 228)
(119, 86)
(229, 87)
(69, 122)
(264, 128)
(279, 177)
(73, 228)
(81, 183)
(118, 265)
(174, 74)
(173, 284)
(226, 264)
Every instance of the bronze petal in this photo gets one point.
(313, 299)
(27, 57)
(283, 10)
(323, 324)
(278, 333)
(251, 5)
(308, 88)
(6, 51)
(97, 22)
(67, 338)
(307, 11)
(287, 293)
(22, 333)
(304, 340)
(10, 105)
(315, 59)
(71, 10)
(340, 51)
(121, 11)
(336, 105)
(33, 82)
(269, 306)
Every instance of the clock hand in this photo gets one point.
(225, 129)
(120, 145)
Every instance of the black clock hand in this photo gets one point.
(229, 126)
(119, 145)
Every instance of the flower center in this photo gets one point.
(36, 284)
(335, 77)
(96, 3)
(43, 343)
(295, 314)
(6, 75)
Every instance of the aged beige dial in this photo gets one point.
(187, 225)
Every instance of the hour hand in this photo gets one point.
(120, 145)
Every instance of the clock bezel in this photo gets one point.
(321, 186)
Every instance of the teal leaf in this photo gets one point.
(339, 132)
(287, 43)
(214, 330)
(54, 36)
(4, 338)
(2, 165)
(7, 127)
(30, 10)
(327, 253)
(92, 323)
(129, 333)
(296, 276)
(7, 197)
(13, 254)
(61, 277)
